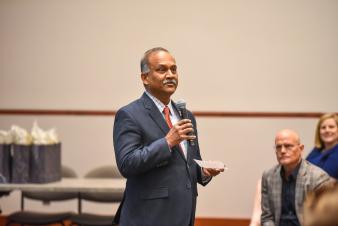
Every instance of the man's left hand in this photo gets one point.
(210, 172)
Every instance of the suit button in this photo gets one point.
(188, 185)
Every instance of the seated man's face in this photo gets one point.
(288, 149)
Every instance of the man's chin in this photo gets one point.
(170, 90)
(284, 161)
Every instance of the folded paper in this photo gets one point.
(211, 164)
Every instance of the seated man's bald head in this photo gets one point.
(289, 133)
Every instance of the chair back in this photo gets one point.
(109, 171)
(49, 196)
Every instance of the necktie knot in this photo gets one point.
(166, 112)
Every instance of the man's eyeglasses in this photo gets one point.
(287, 147)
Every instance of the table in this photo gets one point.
(71, 185)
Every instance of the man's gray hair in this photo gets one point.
(145, 59)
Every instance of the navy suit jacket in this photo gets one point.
(161, 187)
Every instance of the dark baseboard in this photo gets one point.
(206, 221)
(201, 221)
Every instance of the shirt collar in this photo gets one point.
(159, 104)
(294, 173)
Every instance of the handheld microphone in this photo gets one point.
(181, 107)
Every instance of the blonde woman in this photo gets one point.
(325, 152)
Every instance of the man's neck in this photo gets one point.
(290, 168)
(164, 99)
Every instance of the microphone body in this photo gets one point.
(182, 110)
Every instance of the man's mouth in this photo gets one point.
(284, 157)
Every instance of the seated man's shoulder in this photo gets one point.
(315, 170)
(318, 175)
(272, 171)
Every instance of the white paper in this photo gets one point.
(211, 164)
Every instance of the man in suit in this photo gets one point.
(284, 187)
(152, 151)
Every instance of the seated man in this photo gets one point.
(285, 186)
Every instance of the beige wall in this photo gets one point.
(233, 55)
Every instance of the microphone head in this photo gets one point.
(180, 104)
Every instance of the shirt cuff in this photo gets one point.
(205, 178)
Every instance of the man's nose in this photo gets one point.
(170, 73)
(283, 149)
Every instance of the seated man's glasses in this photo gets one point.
(287, 147)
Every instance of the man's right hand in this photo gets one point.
(179, 132)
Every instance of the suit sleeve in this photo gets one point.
(133, 157)
(267, 218)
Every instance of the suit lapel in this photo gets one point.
(277, 197)
(299, 196)
(158, 118)
(154, 113)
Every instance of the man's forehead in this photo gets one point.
(287, 137)
(285, 140)
(161, 57)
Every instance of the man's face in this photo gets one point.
(288, 149)
(162, 79)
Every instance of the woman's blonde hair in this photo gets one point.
(318, 141)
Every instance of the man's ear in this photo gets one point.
(301, 147)
(144, 77)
